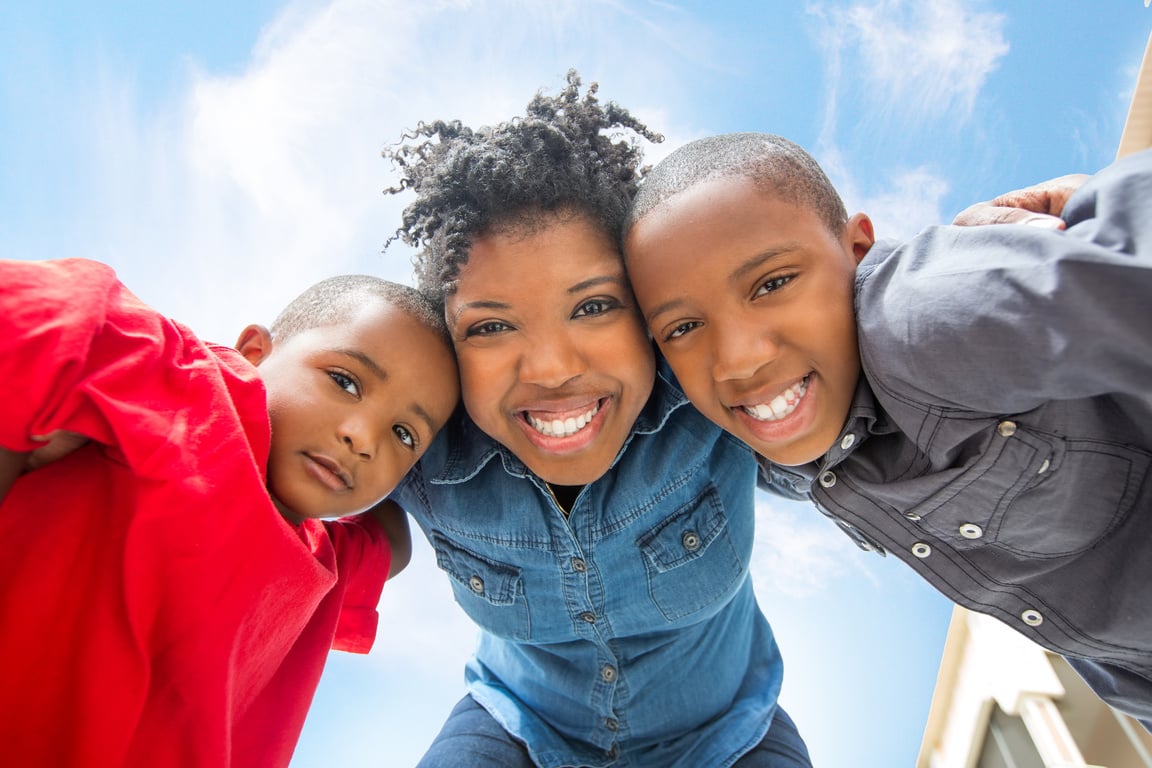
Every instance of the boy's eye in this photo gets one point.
(595, 307)
(680, 329)
(774, 284)
(345, 382)
(404, 435)
(487, 328)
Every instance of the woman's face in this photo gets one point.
(555, 362)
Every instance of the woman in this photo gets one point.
(594, 526)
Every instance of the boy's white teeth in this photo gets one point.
(563, 427)
(781, 405)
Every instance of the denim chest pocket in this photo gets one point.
(490, 592)
(690, 559)
(1037, 494)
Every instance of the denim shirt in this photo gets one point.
(1000, 440)
(626, 634)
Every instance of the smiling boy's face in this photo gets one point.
(750, 298)
(352, 407)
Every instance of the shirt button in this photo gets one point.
(579, 565)
(921, 550)
(477, 584)
(589, 617)
(848, 441)
(1032, 617)
(828, 479)
(608, 673)
(1006, 428)
(971, 531)
(691, 541)
(611, 724)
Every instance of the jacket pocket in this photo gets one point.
(1038, 494)
(690, 558)
(490, 592)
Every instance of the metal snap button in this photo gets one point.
(1032, 617)
(477, 584)
(971, 531)
(691, 541)
(921, 550)
(828, 479)
(1006, 428)
(848, 441)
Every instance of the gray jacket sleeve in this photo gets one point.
(1002, 318)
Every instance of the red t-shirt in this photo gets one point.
(155, 608)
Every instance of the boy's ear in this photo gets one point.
(860, 234)
(255, 344)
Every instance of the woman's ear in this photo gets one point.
(860, 235)
(255, 344)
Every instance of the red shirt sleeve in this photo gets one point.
(73, 341)
(363, 558)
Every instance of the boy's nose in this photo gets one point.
(360, 437)
(741, 350)
(552, 360)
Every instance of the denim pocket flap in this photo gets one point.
(685, 534)
(498, 583)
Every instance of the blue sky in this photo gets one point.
(222, 156)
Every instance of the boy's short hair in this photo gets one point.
(331, 301)
(777, 166)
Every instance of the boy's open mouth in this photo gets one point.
(561, 425)
(781, 406)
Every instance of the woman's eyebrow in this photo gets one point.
(592, 282)
(482, 304)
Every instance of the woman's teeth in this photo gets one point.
(563, 427)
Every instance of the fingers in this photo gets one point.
(11, 465)
(57, 445)
(989, 213)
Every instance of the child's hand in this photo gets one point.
(1039, 205)
(55, 446)
(12, 463)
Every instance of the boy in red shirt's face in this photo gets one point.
(353, 404)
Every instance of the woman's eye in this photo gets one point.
(774, 284)
(487, 328)
(405, 437)
(680, 329)
(345, 382)
(595, 307)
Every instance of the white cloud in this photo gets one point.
(921, 60)
(798, 552)
(223, 203)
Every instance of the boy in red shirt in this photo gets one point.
(168, 591)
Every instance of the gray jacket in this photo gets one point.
(1000, 440)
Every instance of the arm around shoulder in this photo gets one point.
(395, 523)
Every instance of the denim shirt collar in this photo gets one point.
(470, 449)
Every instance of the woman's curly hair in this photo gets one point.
(566, 154)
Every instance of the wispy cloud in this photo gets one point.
(924, 60)
(799, 553)
(240, 190)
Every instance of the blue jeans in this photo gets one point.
(471, 738)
